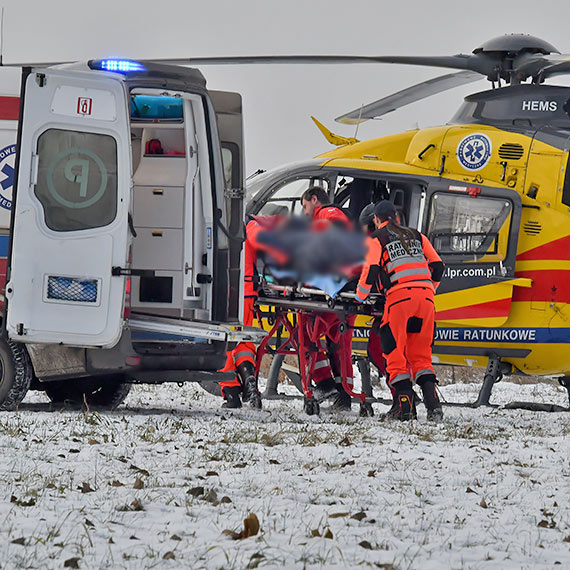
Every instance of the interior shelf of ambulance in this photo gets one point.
(159, 205)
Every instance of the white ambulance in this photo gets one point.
(127, 224)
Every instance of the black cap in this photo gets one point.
(367, 215)
(385, 210)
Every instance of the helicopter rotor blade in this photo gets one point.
(408, 95)
(459, 61)
(559, 67)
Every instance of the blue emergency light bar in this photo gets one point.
(117, 65)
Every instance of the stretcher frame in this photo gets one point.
(299, 311)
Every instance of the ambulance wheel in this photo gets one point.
(312, 407)
(15, 374)
(103, 392)
(366, 410)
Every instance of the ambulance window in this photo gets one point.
(230, 161)
(289, 195)
(460, 225)
(77, 179)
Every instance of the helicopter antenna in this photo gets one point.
(358, 122)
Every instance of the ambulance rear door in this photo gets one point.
(70, 232)
(228, 107)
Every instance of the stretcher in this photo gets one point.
(296, 315)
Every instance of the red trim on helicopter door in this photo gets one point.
(548, 285)
(492, 309)
(556, 249)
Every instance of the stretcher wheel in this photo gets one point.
(330, 303)
(342, 327)
(312, 407)
(270, 320)
(366, 410)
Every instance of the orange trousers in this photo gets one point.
(243, 352)
(407, 332)
(329, 366)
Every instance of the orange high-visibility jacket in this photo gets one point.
(253, 247)
(391, 267)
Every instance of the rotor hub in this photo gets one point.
(515, 44)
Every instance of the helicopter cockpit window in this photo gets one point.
(462, 227)
(353, 194)
(286, 200)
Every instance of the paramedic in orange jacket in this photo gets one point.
(408, 269)
(242, 358)
(323, 214)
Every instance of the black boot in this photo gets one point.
(231, 397)
(431, 399)
(251, 394)
(404, 405)
(324, 390)
(341, 401)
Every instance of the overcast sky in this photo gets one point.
(279, 99)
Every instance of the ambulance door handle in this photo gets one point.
(131, 225)
(34, 170)
(120, 271)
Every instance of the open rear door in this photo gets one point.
(228, 109)
(70, 231)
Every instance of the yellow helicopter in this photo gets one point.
(490, 189)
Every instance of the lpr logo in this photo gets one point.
(84, 105)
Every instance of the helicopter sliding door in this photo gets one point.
(475, 230)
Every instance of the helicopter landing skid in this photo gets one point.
(565, 381)
(493, 374)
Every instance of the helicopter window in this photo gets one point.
(353, 194)
(289, 196)
(465, 226)
(566, 188)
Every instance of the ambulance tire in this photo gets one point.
(99, 392)
(15, 374)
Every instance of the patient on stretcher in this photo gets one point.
(327, 260)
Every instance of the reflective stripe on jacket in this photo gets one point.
(391, 267)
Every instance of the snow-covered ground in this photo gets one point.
(156, 483)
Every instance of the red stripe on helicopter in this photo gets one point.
(499, 308)
(9, 108)
(557, 249)
(551, 285)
